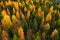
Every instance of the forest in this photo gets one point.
(29, 19)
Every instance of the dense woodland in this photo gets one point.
(29, 20)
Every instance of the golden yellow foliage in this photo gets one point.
(27, 2)
(42, 1)
(39, 9)
(47, 1)
(14, 19)
(6, 20)
(31, 1)
(28, 14)
(58, 6)
(47, 26)
(4, 12)
(20, 4)
(58, 13)
(18, 0)
(22, 15)
(42, 14)
(17, 15)
(8, 12)
(48, 17)
(55, 32)
(38, 1)
(18, 12)
(25, 9)
(8, 3)
(32, 7)
(23, 4)
(13, 10)
(51, 9)
(5, 35)
(1, 3)
(15, 4)
(21, 33)
(43, 35)
(55, 11)
(38, 14)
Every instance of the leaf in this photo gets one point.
(58, 21)
(38, 38)
(35, 23)
(42, 21)
(15, 37)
